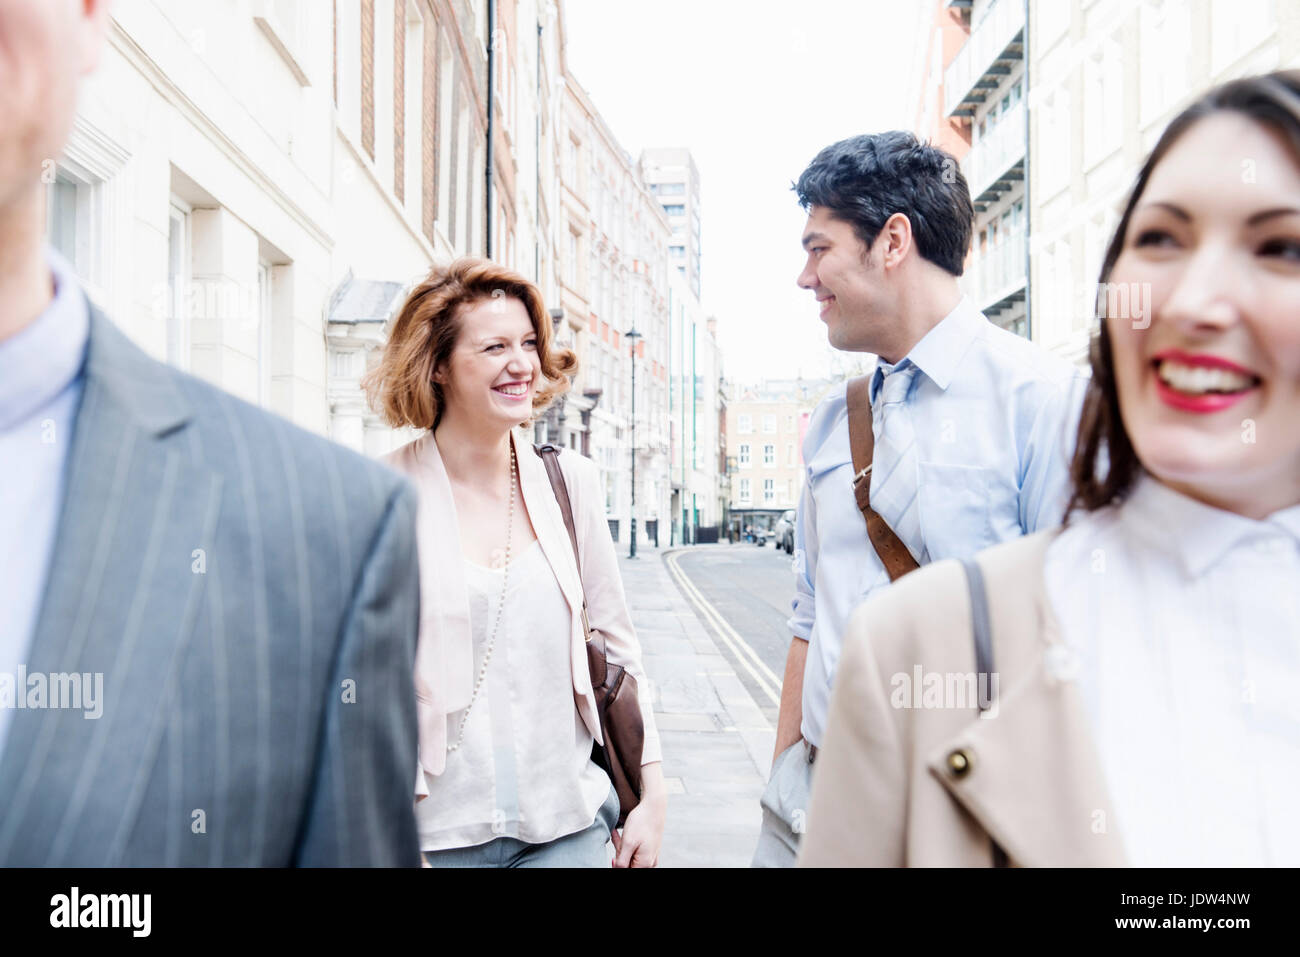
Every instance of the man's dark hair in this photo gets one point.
(866, 179)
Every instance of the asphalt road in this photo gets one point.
(750, 589)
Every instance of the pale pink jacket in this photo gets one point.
(444, 668)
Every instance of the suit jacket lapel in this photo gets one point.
(1052, 807)
(123, 590)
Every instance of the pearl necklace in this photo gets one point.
(492, 637)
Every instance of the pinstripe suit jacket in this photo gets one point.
(250, 594)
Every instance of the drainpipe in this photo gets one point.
(491, 121)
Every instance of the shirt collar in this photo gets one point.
(40, 361)
(1199, 535)
(941, 349)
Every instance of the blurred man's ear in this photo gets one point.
(895, 239)
(91, 27)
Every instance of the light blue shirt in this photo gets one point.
(41, 381)
(994, 419)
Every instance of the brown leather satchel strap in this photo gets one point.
(898, 561)
(550, 456)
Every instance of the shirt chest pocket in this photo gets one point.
(957, 504)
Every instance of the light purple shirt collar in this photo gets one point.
(39, 362)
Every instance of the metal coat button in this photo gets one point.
(960, 763)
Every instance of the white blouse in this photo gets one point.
(524, 769)
(1183, 624)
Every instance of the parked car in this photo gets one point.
(785, 531)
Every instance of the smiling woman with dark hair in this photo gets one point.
(1145, 657)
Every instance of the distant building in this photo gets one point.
(675, 182)
(615, 281)
(695, 381)
(1106, 78)
(765, 429)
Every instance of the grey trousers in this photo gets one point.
(785, 807)
(585, 848)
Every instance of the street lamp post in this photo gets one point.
(632, 336)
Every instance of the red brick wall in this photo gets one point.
(429, 123)
(368, 76)
(399, 100)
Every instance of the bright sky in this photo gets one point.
(754, 88)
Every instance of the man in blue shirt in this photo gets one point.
(973, 425)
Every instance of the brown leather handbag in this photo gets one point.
(615, 689)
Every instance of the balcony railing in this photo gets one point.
(999, 274)
(997, 160)
(999, 37)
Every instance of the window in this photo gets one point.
(744, 424)
(745, 496)
(769, 424)
(348, 93)
(672, 189)
(769, 456)
(744, 455)
(1103, 107)
(178, 282)
(571, 162)
(284, 23)
(1054, 142)
(61, 216)
(769, 491)
(677, 252)
(675, 209)
(264, 334)
(1236, 26)
(345, 364)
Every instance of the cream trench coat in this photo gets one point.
(909, 786)
(444, 666)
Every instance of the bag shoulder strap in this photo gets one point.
(898, 561)
(550, 457)
(981, 629)
(982, 633)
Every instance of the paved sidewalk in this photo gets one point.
(717, 744)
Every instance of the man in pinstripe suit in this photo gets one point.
(239, 597)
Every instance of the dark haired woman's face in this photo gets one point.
(1209, 376)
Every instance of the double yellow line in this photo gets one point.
(763, 676)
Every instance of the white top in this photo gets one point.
(1183, 624)
(524, 769)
